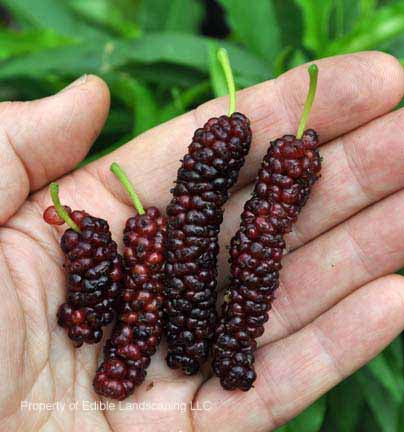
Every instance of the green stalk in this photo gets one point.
(61, 211)
(123, 178)
(313, 72)
(224, 61)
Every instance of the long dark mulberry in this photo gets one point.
(94, 275)
(210, 168)
(288, 171)
(139, 327)
(195, 213)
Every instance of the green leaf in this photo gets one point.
(50, 14)
(119, 122)
(184, 100)
(152, 15)
(192, 51)
(17, 89)
(16, 43)
(184, 16)
(368, 423)
(216, 74)
(72, 60)
(176, 15)
(381, 370)
(386, 23)
(95, 57)
(290, 15)
(298, 58)
(193, 95)
(396, 47)
(339, 9)
(281, 62)
(394, 354)
(367, 6)
(344, 16)
(384, 408)
(316, 18)
(106, 13)
(345, 404)
(311, 419)
(105, 151)
(167, 74)
(137, 97)
(145, 108)
(400, 425)
(254, 24)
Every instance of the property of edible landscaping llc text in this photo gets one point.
(86, 405)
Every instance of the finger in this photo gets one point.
(352, 90)
(294, 372)
(318, 275)
(43, 139)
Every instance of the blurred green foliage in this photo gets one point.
(156, 56)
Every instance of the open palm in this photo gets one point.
(338, 304)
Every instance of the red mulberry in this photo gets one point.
(195, 213)
(288, 171)
(94, 273)
(138, 330)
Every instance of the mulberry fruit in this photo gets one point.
(195, 213)
(139, 326)
(94, 272)
(288, 171)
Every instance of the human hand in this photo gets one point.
(338, 304)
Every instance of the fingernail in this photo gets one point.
(77, 83)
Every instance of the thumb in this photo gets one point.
(42, 140)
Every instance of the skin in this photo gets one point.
(338, 305)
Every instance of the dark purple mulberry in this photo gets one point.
(94, 278)
(290, 168)
(139, 327)
(195, 213)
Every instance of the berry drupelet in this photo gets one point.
(288, 172)
(139, 326)
(94, 272)
(195, 213)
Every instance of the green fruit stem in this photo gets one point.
(60, 210)
(123, 178)
(226, 66)
(313, 73)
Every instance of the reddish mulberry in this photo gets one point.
(94, 273)
(138, 330)
(288, 171)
